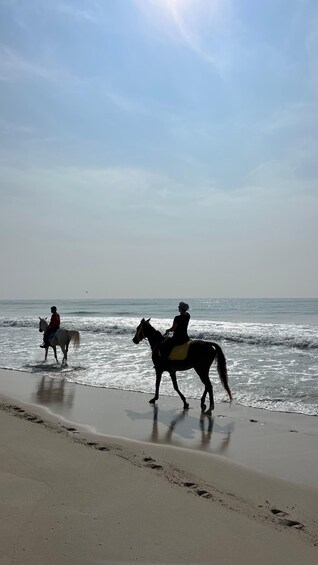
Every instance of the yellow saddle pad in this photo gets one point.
(179, 352)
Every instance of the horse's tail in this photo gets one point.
(74, 338)
(222, 368)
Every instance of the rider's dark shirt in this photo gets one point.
(54, 322)
(180, 334)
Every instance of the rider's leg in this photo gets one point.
(45, 340)
(166, 347)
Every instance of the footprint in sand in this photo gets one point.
(198, 491)
(293, 524)
(287, 521)
(34, 419)
(153, 466)
(74, 430)
(151, 463)
(203, 493)
(278, 512)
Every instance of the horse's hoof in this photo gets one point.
(186, 406)
(152, 401)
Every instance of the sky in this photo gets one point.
(158, 148)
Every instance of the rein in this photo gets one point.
(143, 336)
(151, 341)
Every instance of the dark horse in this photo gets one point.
(200, 357)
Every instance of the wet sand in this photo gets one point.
(258, 439)
(100, 476)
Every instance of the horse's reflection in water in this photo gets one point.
(184, 426)
(206, 434)
(52, 391)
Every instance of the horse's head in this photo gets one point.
(141, 331)
(43, 324)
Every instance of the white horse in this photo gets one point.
(62, 338)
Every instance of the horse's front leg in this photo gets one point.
(46, 352)
(173, 376)
(158, 381)
(55, 354)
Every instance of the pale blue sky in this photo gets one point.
(158, 148)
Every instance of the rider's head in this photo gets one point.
(183, 306)
(53, 309)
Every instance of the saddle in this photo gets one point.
(179, 352)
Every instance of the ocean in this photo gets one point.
(271, 346)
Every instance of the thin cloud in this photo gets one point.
(294, 115)
(207, 27)
(14, 67)
(78, 14)
(11, 128)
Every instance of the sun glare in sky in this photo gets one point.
(176, 5)
(179, 8)
(188, 21)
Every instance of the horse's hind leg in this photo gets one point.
(176, 388)
(64, 350)
(204, 376)
(203, 405)
(209, 388)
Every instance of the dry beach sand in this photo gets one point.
(99, 476)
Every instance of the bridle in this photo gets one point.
(140, 333)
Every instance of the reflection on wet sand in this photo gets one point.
(185, 426)
(52, 391)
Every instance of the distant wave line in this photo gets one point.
(223, 333)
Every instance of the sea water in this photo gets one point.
(271, 346)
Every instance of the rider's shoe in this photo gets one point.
(43, 345)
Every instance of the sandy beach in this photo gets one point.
(98, 476)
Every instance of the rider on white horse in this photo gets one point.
(53, 326)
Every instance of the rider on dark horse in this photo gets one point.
(53, 326)
(179, 329)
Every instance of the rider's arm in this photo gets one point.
(173, 328)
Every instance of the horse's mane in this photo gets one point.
(156, 332)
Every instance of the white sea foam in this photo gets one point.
(271, 365)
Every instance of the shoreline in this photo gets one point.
(254, 438)
(75, 496)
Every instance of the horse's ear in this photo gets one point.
(45, 318)
(148, 320)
